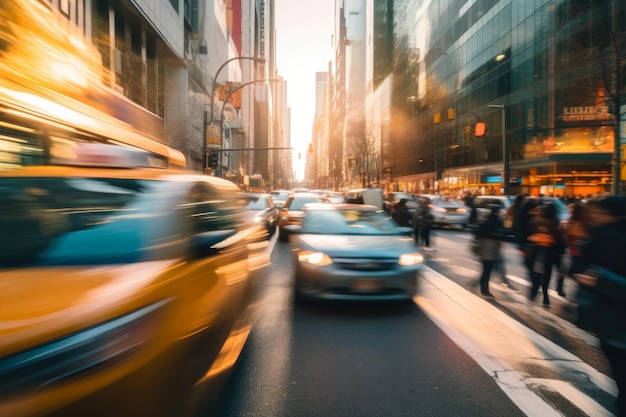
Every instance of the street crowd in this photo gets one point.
(587, 250)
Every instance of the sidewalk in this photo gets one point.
(524, 364)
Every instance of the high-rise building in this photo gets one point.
(161, 59)
(538, 76)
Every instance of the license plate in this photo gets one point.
(366, 285)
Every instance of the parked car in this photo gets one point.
(263, 213)
(291, 212)
(354, 252)
(447, 211)
(125, 291)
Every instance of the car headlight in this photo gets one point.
(108, 344)
(409, 259)
(315, 258)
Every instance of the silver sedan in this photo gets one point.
(448, 212)
(354, 252)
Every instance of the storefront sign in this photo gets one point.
(492, 179)
(584, 113)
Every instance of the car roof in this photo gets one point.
(154, 174)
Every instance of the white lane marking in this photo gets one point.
(500, 345)
(587, 404)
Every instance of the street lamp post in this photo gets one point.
(506, 171)
(210, 119)
(221, 121)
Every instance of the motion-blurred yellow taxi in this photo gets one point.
(123, 291)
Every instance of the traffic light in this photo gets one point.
(480, 129)
(215, 159)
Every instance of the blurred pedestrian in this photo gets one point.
(511, 218)
(500, 267)
(401, 213)
(524, 215)
(489, 234)
(543, 244)
(576, 234)
(600, 271)
(423, 222)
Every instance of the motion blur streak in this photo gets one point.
(32, 37)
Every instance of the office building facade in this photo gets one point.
(536, 74)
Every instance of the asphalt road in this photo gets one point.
(451, 353)
(337, 359)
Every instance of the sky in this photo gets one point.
(304, 33)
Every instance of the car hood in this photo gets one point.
(359, 245)
(55, 301)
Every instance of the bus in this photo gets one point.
(34, 129)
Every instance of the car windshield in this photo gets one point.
(349, 222)
(96, 221)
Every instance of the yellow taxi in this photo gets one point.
(124, 289)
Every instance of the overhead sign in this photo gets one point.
(492, 179)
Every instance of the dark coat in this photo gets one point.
(490, 234)
(423, 218)
(402, 214)
(602, 309)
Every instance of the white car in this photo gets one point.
(447, 211)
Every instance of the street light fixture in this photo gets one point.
(505, 151)
(221, 124)
(213, 87)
